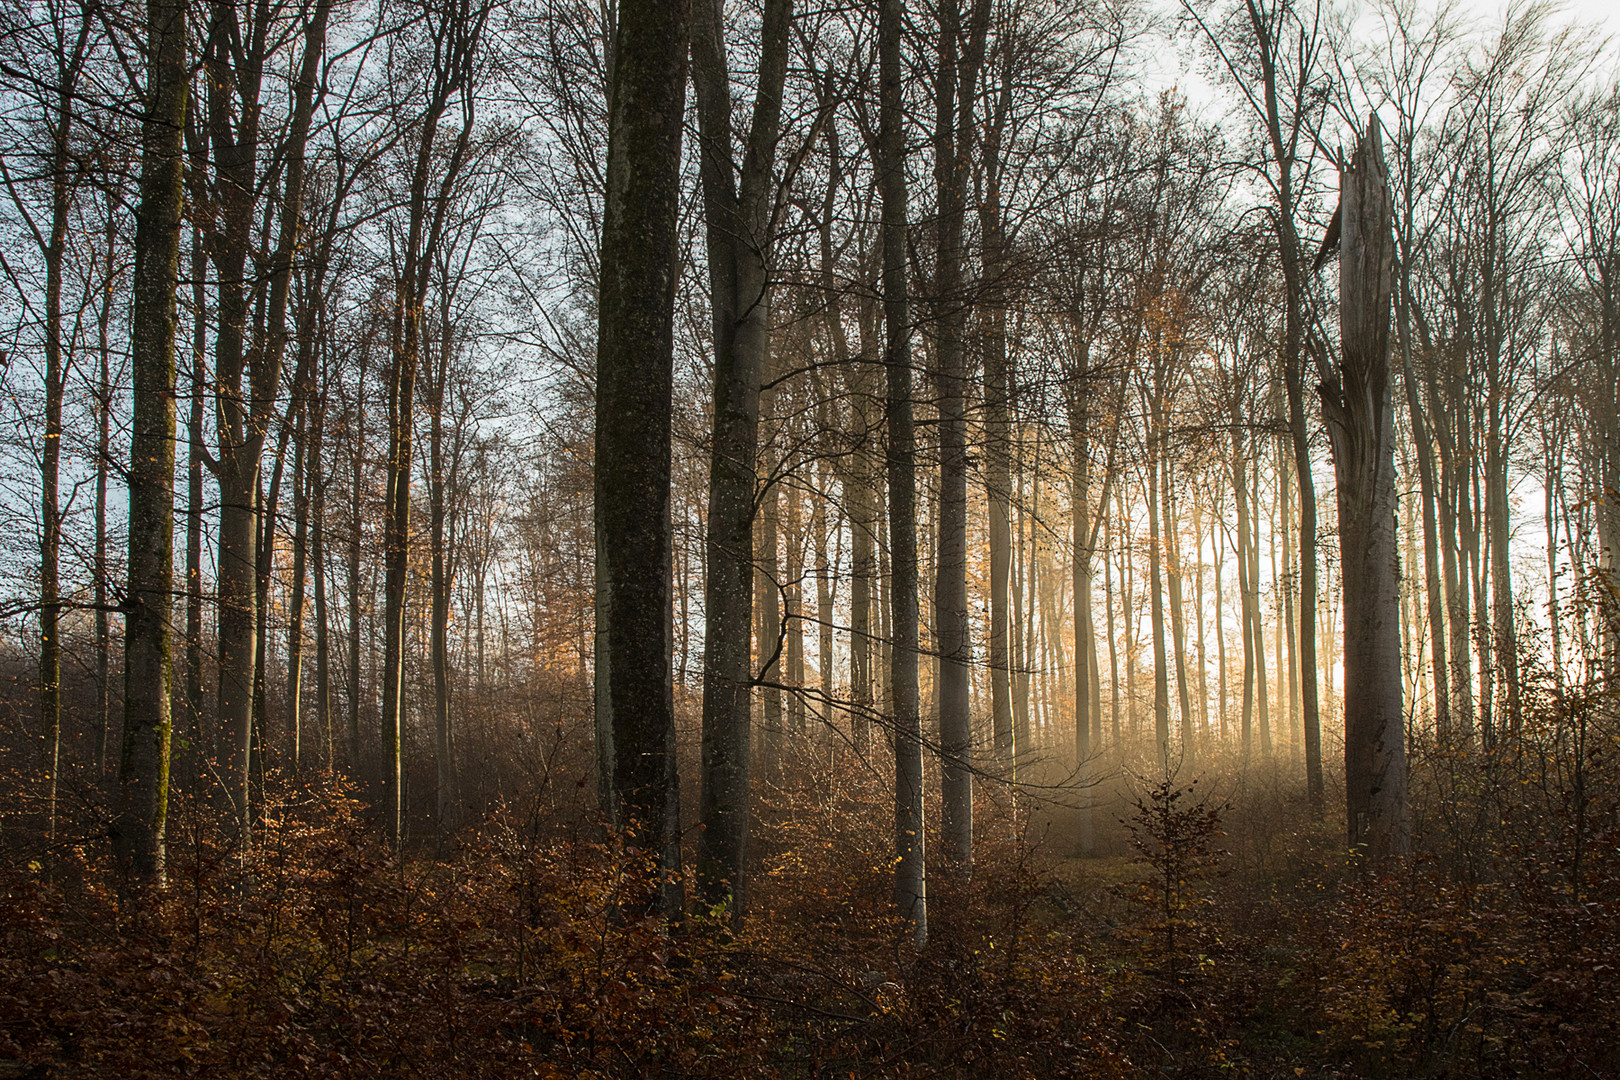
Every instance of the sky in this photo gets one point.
(1182, 64)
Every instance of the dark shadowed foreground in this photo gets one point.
(1212, 936)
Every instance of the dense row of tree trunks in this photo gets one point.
(259, 259)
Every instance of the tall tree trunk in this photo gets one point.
(205, 736)
(1288, 586)
(1178, 617)
(357, 449)
(1246, 586)
(1082, 534)
(1113, 646)
(233, 121)
(50, 547)
(1504, 631)
(457, 29)
(793, 611)
(1201, 638)
(634, 403)
(442, 477)
(910, 876)
(295, 602)
(143, 774)
(821, 529)
(1358, 408)
(317, 557)
(1262, 682)
(1215, 533)
(103, 623)
(265, 742)
(738, 234)
(1023, 610)
(954, 91)
(1127, 594)
(998, 434)
(1161, 673)
(768, 607)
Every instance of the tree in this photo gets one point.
(956, 80)
(1273, 52)
(910, 874)
(1358, 406)
(634, 372)
(454, 32)
(55, 92)
(143, 773)
(740, 223)
(251, 337)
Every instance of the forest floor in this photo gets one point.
(1212, 935)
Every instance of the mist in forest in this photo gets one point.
(979, 538)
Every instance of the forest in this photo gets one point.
(931, 538)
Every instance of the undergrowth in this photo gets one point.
(1227, 934)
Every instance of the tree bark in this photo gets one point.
(954, 91)
(738, 232)
(910, 875)
(634, 401)
(998, 434)
(1358, 407)
(456, 30)
(143, 774)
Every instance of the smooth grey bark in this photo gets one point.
(143, 773)
(1083, 535)
(822, 531)
(205, 736)
(357, 449)
(856, 472)
(1023, 619)
(768, 606)
(1246, 588)
(956, 80)
(1358, 406)
(295, 602)
(1161, 671)
(1113, 640)
(793, 610)
(1084, 529)
(444, 467)
(910, 874)
(634, 401)
(1216, 533)
(1287, 625)
(103, 621)
(1200, 637)
(998, 428)
(317, 558)
(1178, 615)
(1262, 685)
(738, 228)
(1434, 595)
(1288, 80)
